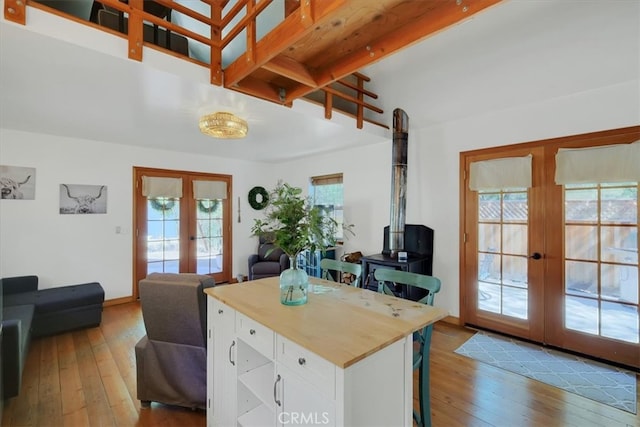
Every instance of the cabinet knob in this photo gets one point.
(252, 331)
(301, 360)
(220, 311)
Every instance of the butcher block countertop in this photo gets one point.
(340, 323)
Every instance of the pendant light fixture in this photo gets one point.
(223, 125)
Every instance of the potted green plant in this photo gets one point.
(294, 225)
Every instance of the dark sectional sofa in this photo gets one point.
(28, 312)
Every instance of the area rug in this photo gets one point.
(596, 381)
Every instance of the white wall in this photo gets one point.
(433, 168)
(62, 249)
(67, 249)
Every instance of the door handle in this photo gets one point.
(536, 255)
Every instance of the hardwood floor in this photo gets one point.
(88, 378)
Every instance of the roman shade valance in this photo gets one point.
(594, 165)
(209, 190)
(497, 174)
(334, 178)
(154, 187)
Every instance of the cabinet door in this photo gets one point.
(210, 360)
(224, 365)
(300, 403)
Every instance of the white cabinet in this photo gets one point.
(223, 374)
(211, 303)
(261, 378)
(255, 398)
(301, 404)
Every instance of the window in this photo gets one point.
(326, 192)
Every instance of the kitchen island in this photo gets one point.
(342, 359)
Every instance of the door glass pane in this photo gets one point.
(163, 235)
(489, 209)
(620, 321)
(209, 236)
(502, 253)
(489, 238)
(581, 242)
(581, 278)
(514, 271)
(581, 314)
(515, 302)
(489, 298)
(514, 239)
(619, 244)
(619, 283)
(601, 260)
(618, 205)
(580, 205)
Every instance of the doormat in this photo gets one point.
(596, 381)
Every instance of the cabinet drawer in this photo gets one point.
(219, 309)
(313, 368)
(255, 334)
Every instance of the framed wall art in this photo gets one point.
(83, 199)
(17, 183)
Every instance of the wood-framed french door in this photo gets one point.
(582, 292)
(503, 277)
(187, 231)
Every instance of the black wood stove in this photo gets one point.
(418, 243)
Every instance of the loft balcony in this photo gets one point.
(276, 50)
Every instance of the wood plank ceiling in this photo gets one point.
(314, 53)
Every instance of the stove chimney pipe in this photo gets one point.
(398, 181)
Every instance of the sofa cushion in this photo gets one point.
(20, 298)
(18, 284)
(266, 268)
(66, 297)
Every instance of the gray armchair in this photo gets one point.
(171, 360)
(269, 261)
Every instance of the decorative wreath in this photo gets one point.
(253, 198)
(207, 206)
(162, 205)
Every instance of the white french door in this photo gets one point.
(555, 264)
(182, 231)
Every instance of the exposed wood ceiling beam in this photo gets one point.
(291, 69)
(449, 13)
(292, 29)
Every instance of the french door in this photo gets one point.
(182, 223)
(555, 264)
(504, 268)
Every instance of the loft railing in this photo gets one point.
(208, 37)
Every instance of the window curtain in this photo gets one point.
(209, 190)
(154, 187)
(497, 174)
(595, 165)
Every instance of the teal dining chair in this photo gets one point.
(431, 285)
(328, 265)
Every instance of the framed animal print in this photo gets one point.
(83, 199)
(17, 183)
